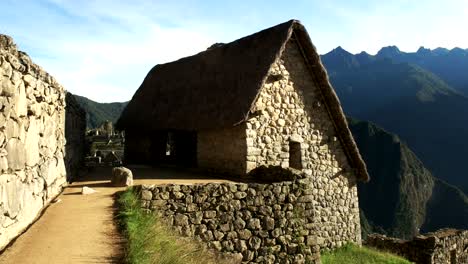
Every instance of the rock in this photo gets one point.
(20, 102)
(236, 257)
(255, 243)
(210, 214)
(16, 154)
(239, 224)
(7, 88)
(240, 245)
(254, 224)
(281, 122)
(240, 195)
(13, 129)
(121, 177)
(181, 220)
(86, 190)
(3, 164)
(146, 195)
(29, 80)
(269, 223)
(244, 234)
(216, 245)
(296, 138)
(32, 144)
(11, 188)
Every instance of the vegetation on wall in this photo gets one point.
(360, 255)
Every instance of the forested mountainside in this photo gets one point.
(402, 198)
(97, 113)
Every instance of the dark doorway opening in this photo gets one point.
(453, 256)
(175, 147)
(295, 159)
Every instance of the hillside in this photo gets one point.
(96, 113)
(409, 101)
(402, 197)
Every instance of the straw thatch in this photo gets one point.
(217, 88)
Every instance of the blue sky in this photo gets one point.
(102, 49)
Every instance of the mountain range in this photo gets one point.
(449, 65)
(411, 101)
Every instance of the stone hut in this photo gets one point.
(41, 140)
(264, 99)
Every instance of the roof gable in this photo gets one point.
(212, 89)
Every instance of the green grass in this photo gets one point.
(151, 241)
(360, 255)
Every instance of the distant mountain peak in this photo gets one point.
(440, 51)
(389, 51)
(340, 50)
(423, 51)
(364, 58)
(341, 58)
(458, 51)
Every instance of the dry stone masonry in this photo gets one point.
(291, 115)
(32, 140)
(261, 223)
(446, 246)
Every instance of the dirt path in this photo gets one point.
(80, 228)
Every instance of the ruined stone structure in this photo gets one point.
(33, 158)
(265, 223)
(445, 246)
(263, 100)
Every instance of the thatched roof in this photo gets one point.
(217, 88)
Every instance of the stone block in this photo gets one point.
(16, 154)
(121, 177)
(181, 220)
(146, 195)
(32, 143)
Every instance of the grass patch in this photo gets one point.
(360, 255)
(151, 241)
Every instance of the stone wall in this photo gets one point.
(32, 140)
(75, 130)
(446, 246)
(223, 150)
(290, 109)
(262, 223)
